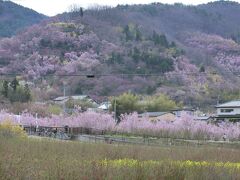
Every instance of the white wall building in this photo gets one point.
(229, 111)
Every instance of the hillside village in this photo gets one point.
(229, 111)
(165, 109)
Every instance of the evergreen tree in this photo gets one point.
(160, 39)
(115, 58)
(138, 35)
(127, 33)
(27, 93)
(173, 44)
(14, 84)
(163, 40)
(202, 69)
(136, 54)
(81, 11)
(5, 89)
(155, 38)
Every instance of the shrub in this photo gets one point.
(54, 109)
(7, 129)
(159, 103)
(125, 103)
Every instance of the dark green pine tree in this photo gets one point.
(127, 33)
(160, 39)
(138, 35)
(163, 40)
(155, 38)
(81, 11)
(27, 93)
(14, 84)
(202, 69)
(5, 89)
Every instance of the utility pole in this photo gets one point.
(36, 119)
(218, 99)
(115, 110)
(64, 95)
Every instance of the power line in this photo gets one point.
(92, 75)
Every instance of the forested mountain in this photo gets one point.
(14, 17)
(191, 53)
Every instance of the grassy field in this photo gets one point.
(28, 158)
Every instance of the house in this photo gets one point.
(229, 111)
(183, 111)
(158, 116)
(105, 106)
(63, 99)
(203, 118)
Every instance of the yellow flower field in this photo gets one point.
(184, 164)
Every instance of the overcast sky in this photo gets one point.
(53, 7)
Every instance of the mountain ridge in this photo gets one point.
(14, 18)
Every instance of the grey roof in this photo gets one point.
(79, 97)
(202, 118)
(153, 114)
(184, 109)
(62, 98)
(229, 104)
(76, 97)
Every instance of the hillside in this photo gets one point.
(14, 18)
(220, 17)
(190, 53)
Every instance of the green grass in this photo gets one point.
(52, 159)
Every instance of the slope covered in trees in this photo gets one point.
(191, 52)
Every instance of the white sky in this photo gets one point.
(53, 7)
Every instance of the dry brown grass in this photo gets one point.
(51, 159)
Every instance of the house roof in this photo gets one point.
(230, 104)
(202, 118)
(105, 106)
(62, 98)
(153, 114)
(184, 109)
(79, 97)
(76, 97)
